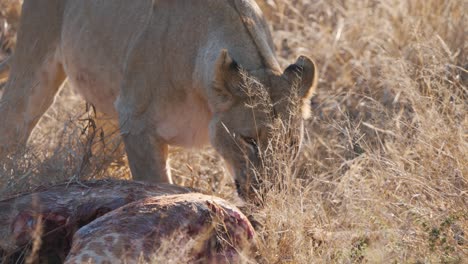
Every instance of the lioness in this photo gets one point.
(169, 70)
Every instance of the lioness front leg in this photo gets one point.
(147, 154)
(146, 151)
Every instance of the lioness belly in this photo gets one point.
(95, 39)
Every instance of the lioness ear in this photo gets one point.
(303, 73)
(227, 74)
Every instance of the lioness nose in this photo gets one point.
(249, 191)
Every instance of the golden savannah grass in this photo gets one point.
(382, 176)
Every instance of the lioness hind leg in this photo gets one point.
(36, 73)
(25, 100)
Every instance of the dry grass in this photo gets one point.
(383, 173)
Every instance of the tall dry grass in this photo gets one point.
(386, 163)
(382, 177)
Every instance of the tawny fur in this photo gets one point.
(168, 70)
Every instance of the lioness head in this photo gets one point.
(241, 126)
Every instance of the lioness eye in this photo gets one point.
(252, 143)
